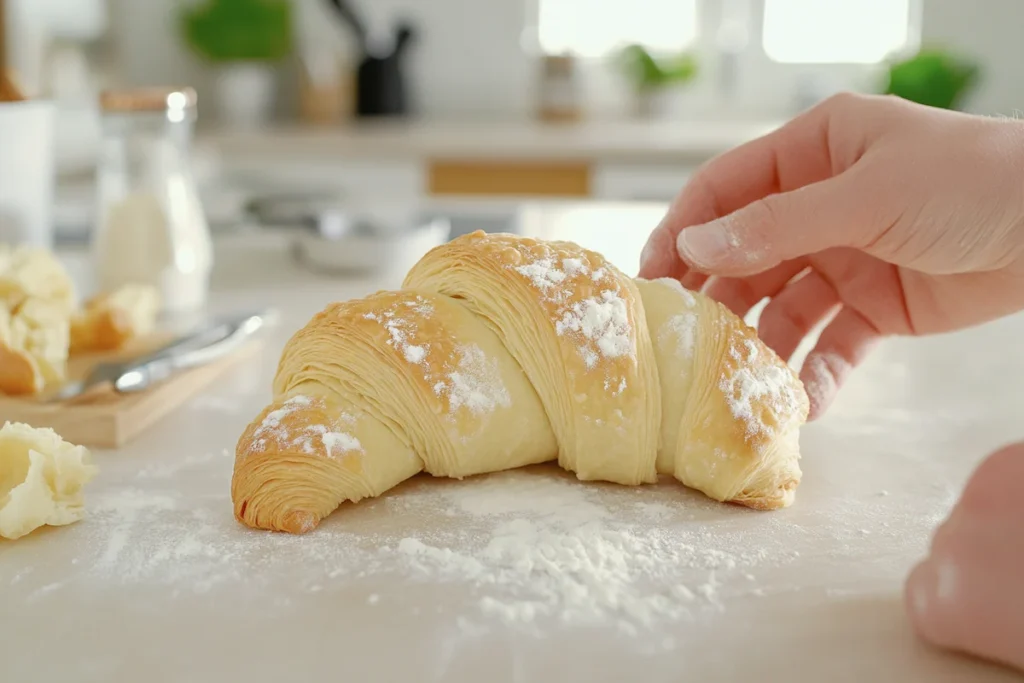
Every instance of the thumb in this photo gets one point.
(778, 228)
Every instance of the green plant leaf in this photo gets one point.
(646, 71)
(933, 77)
(239, 30)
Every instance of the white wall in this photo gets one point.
(989, 30)
(470, 60)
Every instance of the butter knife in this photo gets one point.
(200, 347)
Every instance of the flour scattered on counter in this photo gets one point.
(554, 553)
(44, 591)
(519, 548)
(653, 511)
(169, 469)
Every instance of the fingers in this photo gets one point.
(780, 227)
(740, 295)
(799, 307)
(967, 595)
(843, 345)
(790, 157)
(693, 280)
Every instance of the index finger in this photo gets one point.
(796, 154)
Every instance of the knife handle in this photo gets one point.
(160, 368)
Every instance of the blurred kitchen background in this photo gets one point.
(306, 107)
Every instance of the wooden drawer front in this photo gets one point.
(550, 179)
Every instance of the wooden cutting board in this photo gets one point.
(102, 418)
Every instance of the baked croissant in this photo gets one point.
(502, 351)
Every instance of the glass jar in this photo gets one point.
(150, 224)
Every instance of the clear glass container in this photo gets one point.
(150, 224)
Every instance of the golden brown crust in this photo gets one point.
(34, 343)
(19, 373)
(375, 369)
(36, 298)
(537, 294)
(408, 328)
(743, 406)
(283, 456)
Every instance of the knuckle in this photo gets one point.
(783, 317)
(844, 100)
(765, 218)
(742, 293)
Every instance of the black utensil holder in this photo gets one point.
(381, 88)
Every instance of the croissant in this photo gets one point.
(502, 351)
(110, 320)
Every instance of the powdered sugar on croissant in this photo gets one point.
(501, 351)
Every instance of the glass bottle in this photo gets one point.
(150, 224)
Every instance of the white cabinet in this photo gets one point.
(398, 179)
(639, 181)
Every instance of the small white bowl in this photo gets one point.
(353, 251)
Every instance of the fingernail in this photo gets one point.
(704, 246)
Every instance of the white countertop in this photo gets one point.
(159, 583)
(658, 141)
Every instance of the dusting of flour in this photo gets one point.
(600, 323)
(466, 376)
(602, 320)
(332, 439)
(684, 328)
(528, 550)
(474, 382)
(757, 387)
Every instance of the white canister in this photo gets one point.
(26, 172)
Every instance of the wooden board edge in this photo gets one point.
(135, 414)
(146, 410)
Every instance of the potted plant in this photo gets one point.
(244, 39)
(932, 77)
(652, 77)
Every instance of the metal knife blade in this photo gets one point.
(199, 347)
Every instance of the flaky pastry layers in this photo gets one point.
(36, 299)
(502, 351)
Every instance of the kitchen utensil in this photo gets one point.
(352, 19)
(105, 418)
(197, 348)
(381, 87)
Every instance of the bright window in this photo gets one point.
(835, 31)
(594, 28)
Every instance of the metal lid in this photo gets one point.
(152, 99)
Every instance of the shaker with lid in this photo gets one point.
(150, 224)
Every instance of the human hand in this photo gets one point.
(895, 218)
(968, 594)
